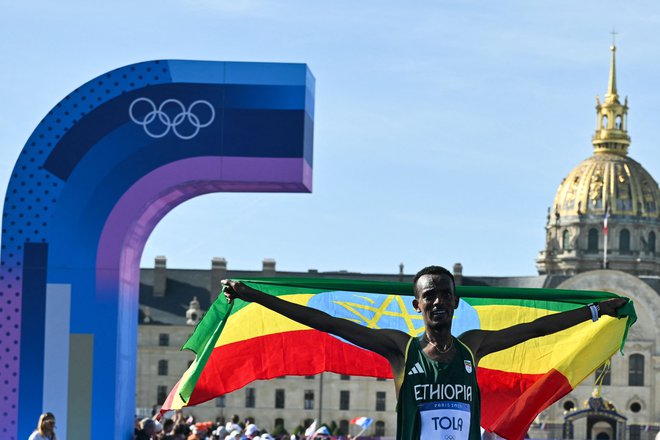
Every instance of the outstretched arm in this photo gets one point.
(390, 344)
(484, 342)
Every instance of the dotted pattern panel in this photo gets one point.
(31, 197)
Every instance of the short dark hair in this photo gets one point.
(433, 270)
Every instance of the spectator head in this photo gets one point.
(168, 425)
(251, 430)
(148, 426)
(46, 424)
(181, 432)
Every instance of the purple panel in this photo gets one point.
(186, 179)
(264, 169)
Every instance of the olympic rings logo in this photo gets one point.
(184, 122)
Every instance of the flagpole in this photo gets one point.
(359, 433)
(607, 214)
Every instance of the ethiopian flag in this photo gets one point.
(240, 342)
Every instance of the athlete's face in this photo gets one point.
(436, 299)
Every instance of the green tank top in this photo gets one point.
(438, 401)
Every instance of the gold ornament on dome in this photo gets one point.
(596, 186)
(570, 195)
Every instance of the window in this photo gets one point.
(343, 427)
(624, 241)
(162, 367)
(279, 398)
(568, 405)
(606, 377)
(636, 370)
(279, 422)
(565, 240)
(652, 242)
(618, 122)
(344, 400)
(249, 397)
(380, 429)
(163, 340)
(604, 122)
(635, 407)
(307, 423)
(345, 377)
(380, 400)
(190, 362)
(220, 402)
(309, 377)
(161, 393)
(634, 432)
(381, 379)
(308, 399)
(592, 241)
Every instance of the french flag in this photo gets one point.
(362, 422)
(607, 216)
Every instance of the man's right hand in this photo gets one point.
(236, 289)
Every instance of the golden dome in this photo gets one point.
(607, 182)
(609, 179)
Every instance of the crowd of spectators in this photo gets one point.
(179, 428)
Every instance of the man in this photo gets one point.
(434, 374)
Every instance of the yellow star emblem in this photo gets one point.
(378, 311)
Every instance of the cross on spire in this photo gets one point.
(614, 34)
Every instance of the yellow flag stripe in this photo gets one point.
(254, 320)
(574, 352)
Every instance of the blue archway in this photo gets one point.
(95, 177)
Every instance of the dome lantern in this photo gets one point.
(611, 118)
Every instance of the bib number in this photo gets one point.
(445, 421)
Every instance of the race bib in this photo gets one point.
(445, 420)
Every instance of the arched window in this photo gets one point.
(624, 241)
(636, 370)
(162, 367)
(618, 123)
(604, 122)
(592, 241)
(343, 427)
(652, 242)
(380, 429)
(565, 240)
(634, 432)
(279, 422)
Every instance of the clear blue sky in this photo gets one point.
(442, 128)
